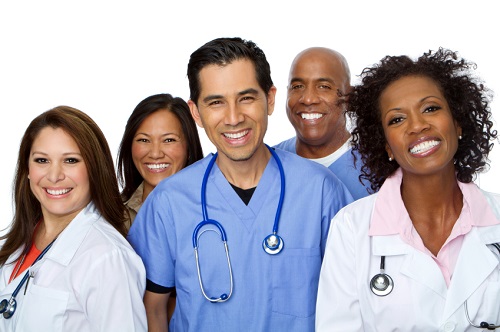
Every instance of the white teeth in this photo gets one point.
(157, 166)
(311, 116)
(236, 135)
(424, 146)
(58, 192)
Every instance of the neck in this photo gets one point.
(245, 174)
(315, 151)
(434, 204)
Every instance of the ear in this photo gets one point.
(389, 151)
(459, 130)
(271, 99)
(195, 113)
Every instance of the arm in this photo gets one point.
(156, 311)
(337, 306)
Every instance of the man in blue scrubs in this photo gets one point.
(231, 97)
(318, 81)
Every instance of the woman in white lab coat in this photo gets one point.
(421, 254)
(65, 264)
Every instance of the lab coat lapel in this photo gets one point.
(70, 239)
(475, 263)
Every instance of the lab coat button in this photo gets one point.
(449, 327)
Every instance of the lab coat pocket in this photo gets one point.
(295, 281)
(44, 309)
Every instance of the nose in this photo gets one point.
(417, 123)
(55, 173)
(309, 96)
(234, 116)
(156, 152)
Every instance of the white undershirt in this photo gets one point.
(330, 159)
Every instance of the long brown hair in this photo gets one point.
(97, 156)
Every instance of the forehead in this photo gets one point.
(410, 87)
(160, 118)
(232, 78)
(54, 139)
(317, 64)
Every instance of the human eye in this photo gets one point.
(395, 120)
(215, 102)
(142, 140)
(40, 160)
(71, 160)
(170, 140)
(431, 109)
(324, 86)
(296, 86)
(247, 99)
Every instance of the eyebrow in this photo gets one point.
(251, 91)
(320, 79)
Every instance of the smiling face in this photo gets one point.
(421, 134)
(159, 148)
(58, 175)
(233, 109)
(313, 108)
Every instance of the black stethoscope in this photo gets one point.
(272, 244)
(382, 284)
(8, 308)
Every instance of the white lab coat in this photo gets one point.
(420, 300)
(89, 280)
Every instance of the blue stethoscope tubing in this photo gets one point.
(8, 308)
(272, 244)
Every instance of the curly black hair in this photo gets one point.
(467, 98)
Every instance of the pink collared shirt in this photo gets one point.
(390, 217)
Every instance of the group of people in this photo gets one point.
(378, 227)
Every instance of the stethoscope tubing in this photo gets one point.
(8, 308)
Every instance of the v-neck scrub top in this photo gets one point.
(271, 292)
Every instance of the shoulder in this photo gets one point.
(287, 145)
(493, 200)
(187, 178)
(357, 215)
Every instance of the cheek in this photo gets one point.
(179, 155)
(138, 152)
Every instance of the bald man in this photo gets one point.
(319, 78)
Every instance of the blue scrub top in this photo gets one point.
(271, 292)
(344, 168)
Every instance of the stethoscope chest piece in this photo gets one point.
(381, 284)
(7, 308)
(272, 244)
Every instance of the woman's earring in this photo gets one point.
(459, 137)
(390, 159)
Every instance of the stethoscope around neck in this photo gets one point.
(272, 244)
(8, 308)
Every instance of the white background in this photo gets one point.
(104, 57)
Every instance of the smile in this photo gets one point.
(424, 146)
(157, 166)
(58, 192)
(236, 135)
(311, 116)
